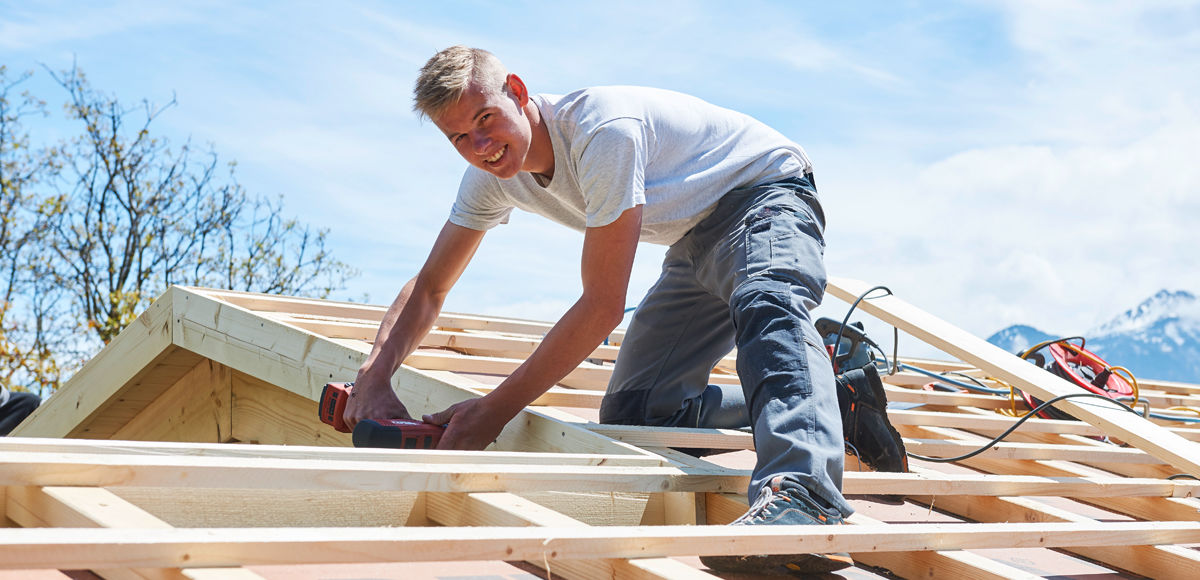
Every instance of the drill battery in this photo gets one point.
(386, 433)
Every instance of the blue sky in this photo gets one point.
(993, 162)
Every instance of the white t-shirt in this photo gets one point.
(619, 147)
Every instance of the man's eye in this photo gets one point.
(484, 117)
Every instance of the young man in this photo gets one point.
(736, 203)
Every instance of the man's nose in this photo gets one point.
(480, 141)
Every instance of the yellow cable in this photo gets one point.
(1132, 381)
(1012, 398)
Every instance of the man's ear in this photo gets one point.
(517, 87)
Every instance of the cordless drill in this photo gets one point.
(388, 433)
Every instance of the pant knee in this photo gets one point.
(772, 358)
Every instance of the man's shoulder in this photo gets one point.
(617, 99)
(575, 117)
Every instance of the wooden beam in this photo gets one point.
(302, 362)
(267, 414)
(89, 507)
(87, 549)
(503, 509)
(116, 370)
(559, 397)
(1108, 454)
(374, 313)
(1157, 441)
(683, 437)
(1173, 508)
(1149, 561)
(184, 507)
(959, 564)
(944, 399)
(586, 376)
(196, 408)
(302, 452)
(993, 423)
(32, 468)
(724, 508)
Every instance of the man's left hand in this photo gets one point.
(471, 425)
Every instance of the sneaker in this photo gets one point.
(783, 502)
(865, 425)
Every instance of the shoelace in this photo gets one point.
(760, 505)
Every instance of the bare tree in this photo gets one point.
(94, 227)
(131, 215)
(30, 346)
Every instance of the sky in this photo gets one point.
(991, 162)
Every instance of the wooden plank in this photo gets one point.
(374, 313)
(104, 378)
(87, 549)
(939, 398)
(586, 376)
(302, 363)
(87, 507)
(503, 509)
(185, 507)
(559, 397)
(265, 413)
(484, 344)
(1109, 454)
(1157, 441)
(683, 437)
(724, 508)
(958, 564)
(1150, 561)
(31, 468)
(388, 456)
(906, 387)
(138, 394)
(1175, 508)
(196, 408)
(993, 423)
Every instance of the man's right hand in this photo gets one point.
(408, 319)
(373, 399)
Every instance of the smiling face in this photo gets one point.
(491, 128)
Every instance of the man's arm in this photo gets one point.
(607, 261)
(407, 321)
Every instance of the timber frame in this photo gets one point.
(133, 469)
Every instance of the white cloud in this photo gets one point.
(29, 25)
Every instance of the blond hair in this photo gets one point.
(446, 76)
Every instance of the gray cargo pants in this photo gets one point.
(747, 275)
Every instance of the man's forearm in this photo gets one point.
(568, 343)
(406, 321)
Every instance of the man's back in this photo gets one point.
(616, 147)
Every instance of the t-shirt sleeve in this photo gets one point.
(481, 204)
(612, 170)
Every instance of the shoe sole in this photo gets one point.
(797, 563)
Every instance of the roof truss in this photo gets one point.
(140, 440)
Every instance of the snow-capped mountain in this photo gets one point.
(1158, 339)
(1018, 337)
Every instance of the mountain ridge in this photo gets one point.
(1157, 339)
